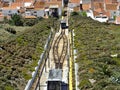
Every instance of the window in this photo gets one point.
(35, 12)
(9, 11)
(104, 17)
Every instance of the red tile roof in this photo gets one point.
(97, 0)
(95, 13)
(50, 0)
(98, 5)
(39, 4)
(114, 1)
(17, 4)
(107, 14)
(99, 10)
(5, 4)
(110, 1)
(24, 0)
(76, 8)
(14, 6)
(118, 20)
(111, 6)
(0, 13)
(28, 0)
(30, 17)
(1, 4)
(74, 1)
(21, 10)
(47, 4)
(86, 6)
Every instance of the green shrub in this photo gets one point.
(84, 84)
(95, 42)
(23, 52)
(9, 88)
(11, 30)
(30, 22)
(83, 13)
(74, 13)
(16, 20)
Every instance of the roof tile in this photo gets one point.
(75, 1)
(111, 6)
(39, 4)
(86, 6)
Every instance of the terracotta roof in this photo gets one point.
(107, 14)
(110, 1)
(9, 8)
(1, 4)
(17, 4)
(24, 0)
(18, 0)
(98, 5)
(14, 6)
(50, 0)
(95, 13)
(76, 8)
(111, 6)
(118, 19)
(21, 10)
(74, 1)
(28, 0)
(98, 0)
(86, 6)
(99, 10)
(0, 13)
(114, 1)
(39, 4)
(103, 13)
(5, 4)
(30, 17)
(47, 4)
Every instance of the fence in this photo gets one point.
(41, 63)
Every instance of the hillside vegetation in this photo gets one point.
(19, 55)
(95, 44)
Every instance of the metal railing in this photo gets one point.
(41, 63)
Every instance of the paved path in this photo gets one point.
(50, 65)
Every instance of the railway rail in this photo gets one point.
(59, 58)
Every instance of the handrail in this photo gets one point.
(42, 61)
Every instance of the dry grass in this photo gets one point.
(4, 35)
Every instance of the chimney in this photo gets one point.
(81, 2)
(92, 4)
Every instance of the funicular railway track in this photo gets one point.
(59, 58)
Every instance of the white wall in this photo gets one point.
(59, 11)
(9, 11)
(27, 4)
(101, 19)
(40, 13)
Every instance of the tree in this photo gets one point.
(16, 20)
(74, 13)
(5, 20)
